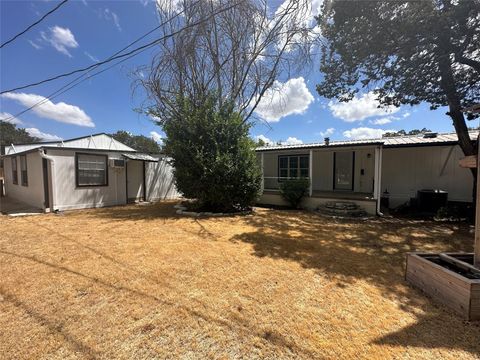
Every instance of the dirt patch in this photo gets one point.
(143, 282)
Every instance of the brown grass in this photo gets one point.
(140, 282)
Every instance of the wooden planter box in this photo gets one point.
(455, 291)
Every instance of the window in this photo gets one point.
(23, 170)
(91, 170)
(293, 166)
(14, 170)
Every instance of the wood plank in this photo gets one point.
(438, 270)
(468, 162)
(476, 256)
(459, 263)
(442, 286)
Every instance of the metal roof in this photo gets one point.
(397, 141)
(100, 141)
(138, 156)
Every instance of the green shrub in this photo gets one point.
(212, 154)
(293, 190)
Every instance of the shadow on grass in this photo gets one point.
(372, 250)
(54, 326)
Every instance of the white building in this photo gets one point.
(362, 171)
(86, 172)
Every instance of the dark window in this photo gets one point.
(23, 170)
(14, 170)
(293, 166)
(91, 170)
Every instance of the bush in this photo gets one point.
(293, 190)
(212, 154)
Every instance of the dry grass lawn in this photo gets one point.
(140, 282)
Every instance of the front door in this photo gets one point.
(344, 162)
(134, 180)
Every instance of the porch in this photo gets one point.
(336, 174)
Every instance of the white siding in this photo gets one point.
(407, 170)
(69, 196)
(159, 181)
(33, 194)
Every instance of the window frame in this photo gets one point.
(14, 170)
(78, 185)
(298, 169)
(23, 180)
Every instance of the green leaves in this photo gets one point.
(213, 157)
(293, 190)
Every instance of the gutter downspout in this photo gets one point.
(52, 180)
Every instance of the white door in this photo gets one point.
(134, 180)
(343, 170)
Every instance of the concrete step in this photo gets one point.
(342, 209)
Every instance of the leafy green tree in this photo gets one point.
(407, 52)
(294, 190)
(212, 154)
(138, 142)
(10, 134)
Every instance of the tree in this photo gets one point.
(403, 132)
(10, 134)
(205, 82)
(138, 142)
(212, 155)
(234, 49)
(406, 52)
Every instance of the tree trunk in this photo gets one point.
(454, 105)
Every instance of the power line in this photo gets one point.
(119, 56)
(115, 56)
(35, 23)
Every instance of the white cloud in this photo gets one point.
(41, 135)
(110, 15)
(363, 133)
(11, 119)
(91, 57)
(283, 99)
(34, 44)
(381, 121)
(360, 108)
(156, 136)
(264, 139)
(60, 111)
(61, 39)
(406, 114)
(292, 141)
(327, 132)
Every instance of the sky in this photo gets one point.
(84, 31)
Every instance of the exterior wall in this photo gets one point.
(159, 181)
(68, 196)
(33, 194)
(407, 170)
(322, 168)
(313, 203)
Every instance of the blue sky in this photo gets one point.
(81, 32)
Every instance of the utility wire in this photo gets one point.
(35, 23)
(115, 56)
(119, 56)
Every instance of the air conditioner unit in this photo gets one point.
(117, 163)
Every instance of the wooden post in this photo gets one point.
(476, 256)
(310, 173)
(262, 186)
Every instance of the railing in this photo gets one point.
(273, 182)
